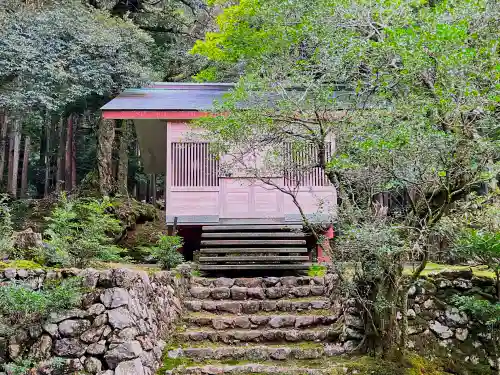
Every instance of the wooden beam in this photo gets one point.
(253, 235)
(277, 227)
(222, 267)
(254, 250)
(252, 242)
(263, 258)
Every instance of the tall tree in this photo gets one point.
(3, 144)
(15, 145)
(410, 92)
(106, 135)
(24, 173)
(123, 157)
(68, 155)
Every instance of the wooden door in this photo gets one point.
(242, 198)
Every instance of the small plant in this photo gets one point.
(21, 305)
(316, 270)
(81, 231)
(21, 366)
(166, 251)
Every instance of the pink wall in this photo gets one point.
(229, 197)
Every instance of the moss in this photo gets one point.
(21, 264)
(316, 270)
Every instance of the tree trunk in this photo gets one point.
(26, 160)
(3, 144)
(67, 153)
(73, 154)
(105, 137)
(152, 186)
(14, 163)
(46, 183)
(60, 158)
(122, 178)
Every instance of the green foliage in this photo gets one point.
(21, 366)
(80, 231)
(483, 310)
(166, 251)
(316, 270)
(6, 229)
(66, 52)
(21, 305)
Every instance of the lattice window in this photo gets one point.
(194, 165)
(299, 170)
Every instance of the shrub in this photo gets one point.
(80, 231)
(21, 305)
(166, 251)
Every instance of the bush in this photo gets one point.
(80, 231)
(166, 251)
(21, 305)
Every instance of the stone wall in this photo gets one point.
(127, 316)
(120, 327)
(437, 326)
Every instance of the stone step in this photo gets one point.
(244, 369)
(258, 282)
(243, 293)
(252, 266)
(255, 321)
(263, 250)
(251, 242)
(256, 227)
(254, 258)
(253, 235)
(259, 352)
(258, 335)
(254, 306)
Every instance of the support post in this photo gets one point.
(328, 234)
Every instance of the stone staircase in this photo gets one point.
(273, 325)
(253, 247)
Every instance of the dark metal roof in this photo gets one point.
(170, 97)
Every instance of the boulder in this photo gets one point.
(90, 277)
(97, 348)
(69, 347)
(120, 318)
(256, 293)
(92, 365)
(462, 334)
(253, 282)
(93, 334)
(72, 328)
(223, 282)
(230, 307)
(96, 309)
(115, 297)
(304, 321)
(27, 239)
(58, 317)
(242, 322)
(280, 321)
(441, 330)
(199, 292)
(220, 293)
(239, 292)
(122, 352)
(134, 367)
(41, 348)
